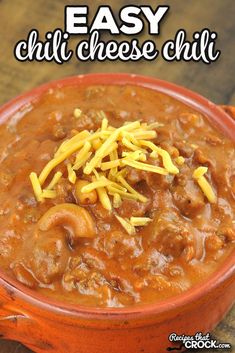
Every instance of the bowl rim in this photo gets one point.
(215, 114)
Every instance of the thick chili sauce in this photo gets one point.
(187, 238)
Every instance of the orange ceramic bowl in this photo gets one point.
(45, 325)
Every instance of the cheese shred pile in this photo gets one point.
(104, 157)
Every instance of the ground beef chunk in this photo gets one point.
(158, 282)
(101, 213)
(173, 151)
(58, 132)
(6, 179)
(24, 275)
(184, 149)
(49, 255)
(227, 234)
(201, 158)
(157, 181)
(84, 280)
(152, 180)
(93, 259)
(152, 261)
(213, 139)
(213, 243)
(188, 198)
(173, 238)
(176, 241)
(174, 271)
(135, 175)
(85, 122)
(26, 200)
(94, 92)
(80, 275)
(132, 208)
(118, 244)
(63, 192)
(89, 121)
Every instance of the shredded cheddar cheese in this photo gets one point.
(110, 165)
(54, 180)
(133, 155)
(95, 185)
(130, 224)
(154, 154)
(107, 145)
(104, 198)
(105, 157)
(117, 200)
(145, 134)
(57, 160)
(82, 156)
(71, 174)
(140, 221)
(155, 125)
(82, 161)
(131, 190)
(126, 225)
(199, 172)
(207, 189)
(96, 144)
(48, 194)
(36, 186)
(113, 171)
(130, 145)
(198, 175)
(145, 166)
(104, 124)
(180, 160)
(124, 194)
(81, 136)
(111, 149)
(166, 158)
(101, 114)
(130, 137)
(77, 113)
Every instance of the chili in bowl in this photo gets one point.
(117, 213)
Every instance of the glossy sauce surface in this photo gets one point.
(188, 238)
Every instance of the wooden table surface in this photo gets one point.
(214, 81)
